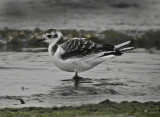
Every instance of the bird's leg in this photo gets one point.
(76, 73)
(21, 100)
(76, 79)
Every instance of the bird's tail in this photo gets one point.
(126, 49)
(124, 46)
(120, 48)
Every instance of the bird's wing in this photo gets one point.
(79, 48)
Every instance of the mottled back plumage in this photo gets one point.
(79, 48)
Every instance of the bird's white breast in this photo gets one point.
(70, 65)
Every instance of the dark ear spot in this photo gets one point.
(49, 36)
(55, 36)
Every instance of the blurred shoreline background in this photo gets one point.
(80, 14)
(104, 21)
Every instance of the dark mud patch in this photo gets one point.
(155, 88)
(9, 97)
(112, 84)
(123, 5)
(81, 91)
(138, 94)
(88, 87)
(97, 82)
(133, 81)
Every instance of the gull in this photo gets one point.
(79, 54)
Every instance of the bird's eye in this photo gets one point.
(55, 36)
(49, 36)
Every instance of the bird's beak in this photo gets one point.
(40, 40)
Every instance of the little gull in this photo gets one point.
(79, 54)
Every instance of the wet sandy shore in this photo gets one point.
(33, 77)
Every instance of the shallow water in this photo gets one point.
(33, 77)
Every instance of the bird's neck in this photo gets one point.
(54, 46)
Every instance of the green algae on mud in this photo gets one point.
(107, 108)
(13, 39)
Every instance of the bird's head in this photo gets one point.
(51, 36)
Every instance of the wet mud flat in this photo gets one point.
(32, 76)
